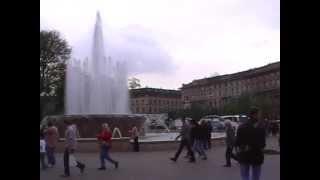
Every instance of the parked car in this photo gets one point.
(217, 126)
(236, 118)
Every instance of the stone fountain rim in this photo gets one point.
(94, 115)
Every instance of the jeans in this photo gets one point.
(209, 142)
(50, 155)
(66, 163)
(205, 145)
(185, 143)
(198, 146)
(245, 171)
(104, 154)
(42, 160)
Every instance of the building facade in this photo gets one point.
(217, 91)
(154, 101)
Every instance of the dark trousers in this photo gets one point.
(185, 143)
(230, 155)
(104, 154)
(66, 164)
(42, 160)
(198, 146)
(50, 155)
(209, 143)
(136, 144)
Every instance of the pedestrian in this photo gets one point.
(275, 129)
(71, 135)
(135, 138)
(198, 139)
(42, 151)
(185, 135)
(52, 137)
(250, 142)
(205, 131)
(230, 140)
(209, 131)
(104, 139)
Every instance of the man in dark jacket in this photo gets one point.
(250, 142)
(185, 135)
(198, 136)
(209, 131)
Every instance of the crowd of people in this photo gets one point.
(244, 146)
(248, 142)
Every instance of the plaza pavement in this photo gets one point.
(157, 166)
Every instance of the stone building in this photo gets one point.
(217, 91)
(154, 101)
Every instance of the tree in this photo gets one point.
(54, 52)
(134, 83)
(242, 104)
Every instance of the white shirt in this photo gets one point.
(42, 146)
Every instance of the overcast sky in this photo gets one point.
(170, 42)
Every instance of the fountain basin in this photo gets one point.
(149, 142)
(90, 125)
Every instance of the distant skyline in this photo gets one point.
(171, 42)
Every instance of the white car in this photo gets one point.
(236, 118)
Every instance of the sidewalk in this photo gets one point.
(157, 166)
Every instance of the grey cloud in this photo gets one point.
(135, 45)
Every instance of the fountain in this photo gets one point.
(97, 85)
(97, 92)
(116, 131)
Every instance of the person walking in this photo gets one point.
(104, 139)
(71, 135)
(42, 151)
(230, 140)
(250, 142)
(135, 138)
(52, 137)
(197, 137)
(185, 142)
(204, 134)
(208, 137)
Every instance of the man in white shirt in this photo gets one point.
(71, 135)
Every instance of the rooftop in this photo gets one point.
(155, 92)
(243, 74)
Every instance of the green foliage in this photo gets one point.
(54, 52)
(242, 105)
(134, 83)
(199, 110)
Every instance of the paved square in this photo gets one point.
(157, 166)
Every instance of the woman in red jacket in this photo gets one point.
(104, 139)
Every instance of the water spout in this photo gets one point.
(97, 85)
(115, 131)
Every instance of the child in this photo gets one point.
(42, 151)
